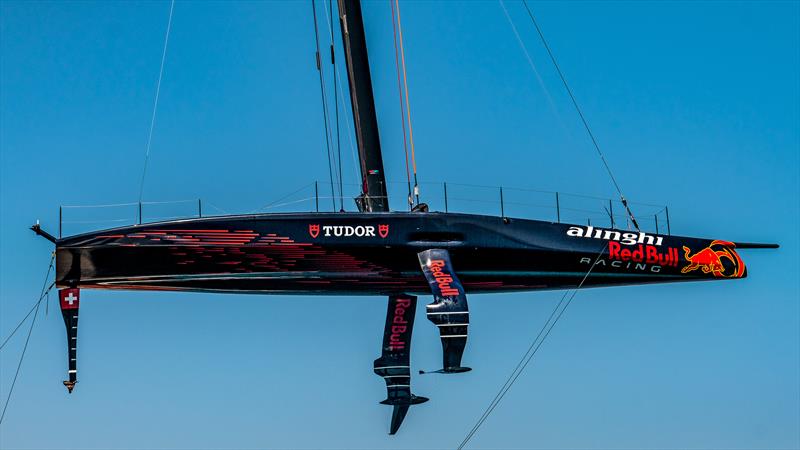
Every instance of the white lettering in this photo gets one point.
(619, 264)
(642, 237)
(629, 238)
(575, 232)
(348, 230)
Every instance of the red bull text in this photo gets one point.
(443, 279)
(397, 339)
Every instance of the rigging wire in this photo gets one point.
(336, 106)
(408, 107)
(325, 119)
(155, 102)
(30, 311)
(537, 342)
(338, 84)
(274, 202)
(19, 365)
(532, 65)
(338, 155)
(402, 109)
(224, 212)
(580, 113)
(44, 292)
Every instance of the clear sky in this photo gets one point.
(695, 104)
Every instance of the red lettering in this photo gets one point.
(443, 279)
(396, 341)
(648, 254)
(397, 345)
(652, 254)
(638, 254)
(613, 249)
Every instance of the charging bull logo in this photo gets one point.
(711, 260)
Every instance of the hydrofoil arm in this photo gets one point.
(449, 310)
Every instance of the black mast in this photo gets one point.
(373, 196)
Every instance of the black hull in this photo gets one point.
(375, 253)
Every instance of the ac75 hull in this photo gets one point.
(375, 253)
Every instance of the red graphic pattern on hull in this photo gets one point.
(246, 251)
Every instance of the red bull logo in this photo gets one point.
(712, 260)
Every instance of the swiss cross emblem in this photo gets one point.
(70, 298)
(383, 230)
(313, 230)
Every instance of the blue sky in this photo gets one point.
(696, 105)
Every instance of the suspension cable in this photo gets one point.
(155, 102)
(42, 295)
(408, 106)
(580, 114)
(324, 103)
(19, 365)
(537, 342)
(402, 109)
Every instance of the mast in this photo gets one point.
(373, 196)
